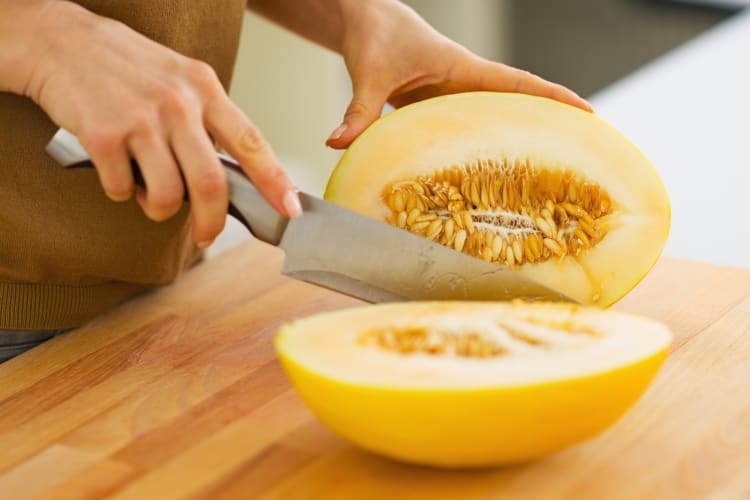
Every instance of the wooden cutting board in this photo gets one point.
(178, 394)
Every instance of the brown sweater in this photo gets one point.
(67, 252)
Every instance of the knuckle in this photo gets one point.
(138, 118)
(201, 70)
(102, 140)
(356, 107)
(557, 91)
(204, 76)
(523, 78)
(158, 89)
(177, 104)
(118, 188)
(252, 141)
(209, 228)
(277, 174)
(172, 98)
(144, 127)
(164, 202)
(172, 62)
(211, 184)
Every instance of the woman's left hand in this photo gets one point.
(394, 56)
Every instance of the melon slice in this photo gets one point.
(458, 384)
(522, 181)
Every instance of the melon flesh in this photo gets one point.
(480, 128)
(559, 374)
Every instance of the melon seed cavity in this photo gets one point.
(483, 340)
(509, 213)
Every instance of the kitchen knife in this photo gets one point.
(338, 249)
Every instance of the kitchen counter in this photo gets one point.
(179, 394)
(689, 112)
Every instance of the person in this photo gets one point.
(148, 80)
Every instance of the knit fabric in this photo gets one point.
(67, 252)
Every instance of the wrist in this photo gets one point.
(28, 31)
(19, 44)
(363, 20)
(320, 21)
(351, 13)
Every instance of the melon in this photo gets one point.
(468, 384)
(525, 182)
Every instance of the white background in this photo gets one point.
(689, 112)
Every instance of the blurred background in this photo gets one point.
(297, 92)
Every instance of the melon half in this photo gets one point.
(466, 384)
(525, 182)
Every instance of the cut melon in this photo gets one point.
(460, 384)
(525, 182)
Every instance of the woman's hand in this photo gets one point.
(394, 56)
(125, 96)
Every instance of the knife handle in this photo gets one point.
(246, 204)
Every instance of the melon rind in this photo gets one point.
(464, 426)
(456, 129)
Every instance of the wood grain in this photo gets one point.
(178, 394)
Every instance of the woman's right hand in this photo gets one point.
(124, 95)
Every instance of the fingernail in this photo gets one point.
(205, 243)
(338, 132)
(292, 204)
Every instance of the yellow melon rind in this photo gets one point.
(454, 129)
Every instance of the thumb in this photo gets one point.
(365, 107)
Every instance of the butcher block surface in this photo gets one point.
(178, 394)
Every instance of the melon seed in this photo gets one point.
(504, 212)
(505, 337)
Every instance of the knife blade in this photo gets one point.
(336, 248)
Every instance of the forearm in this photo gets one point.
(320, 21)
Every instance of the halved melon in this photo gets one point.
(522, 181)
(457, 384)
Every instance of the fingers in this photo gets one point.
(365, 107)
(164, 191)
(243, 140)
(470, 73)
(134, 98)
(206, 183)
(112, 161)
(177, 154)
(500, 77)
